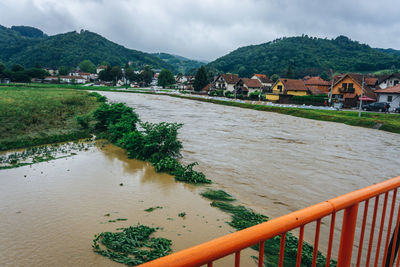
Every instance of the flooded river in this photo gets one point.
(270, 162)
(50, 212)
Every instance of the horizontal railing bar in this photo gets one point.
(228, 244)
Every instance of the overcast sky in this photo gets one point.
(208, 29)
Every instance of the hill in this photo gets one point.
(29, 46)
(306, 55)
(182, 65)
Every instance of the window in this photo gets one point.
(344, 86)
(390, 98)
(351, 86)
(396, 82)
(280, 88)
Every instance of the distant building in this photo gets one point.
(225, 82)
(246, 86)
(317, 84)
(347, 89)
(65, 79)
(389, 80)
(100, 68)
(390, 95)
(265, 81)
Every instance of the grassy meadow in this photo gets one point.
(34, 116)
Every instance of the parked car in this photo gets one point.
(397, 110)
(377, 106)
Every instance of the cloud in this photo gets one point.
(207, 29)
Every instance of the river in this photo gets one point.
(270, 162)
(274, 163)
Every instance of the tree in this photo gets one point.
(200, 80)
(116, 73)
(17, 67)
(105, 75)
(165, 78)
(147, 74)
(87, 66)
(2, 69)
(63, 70)
(274, 77)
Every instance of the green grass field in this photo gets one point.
(33, 116)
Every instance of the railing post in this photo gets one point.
(347, 236)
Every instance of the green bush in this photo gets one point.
(229, 94)
(187, 174)
(108, 114)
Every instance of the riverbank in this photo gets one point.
(384, 122)
(35, 116)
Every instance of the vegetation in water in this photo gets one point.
(242, 217)
(153, 208)
(133, 246)
(182, 214)
(217, 195)
(44, 153)
(154, 142)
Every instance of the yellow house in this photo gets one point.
(287, 87)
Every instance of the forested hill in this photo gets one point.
(29, 46)
(306, 55)
(182, 65)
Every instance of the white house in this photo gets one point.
(390, 95)
(225, 82)
(100, 68)
(264, 80)
(389, 81)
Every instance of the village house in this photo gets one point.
(347, 89)
(264, 80)
(246, 86)
(65, 79)
(100, 68)
(225, 82)
(316, 84)
(52, 72)
(389, 80)
(287, 87)
(390, 95)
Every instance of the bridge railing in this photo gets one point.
(379, 249)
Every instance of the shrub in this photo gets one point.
(187, 174)
(108, 114)
(99, 97)
(229, 94)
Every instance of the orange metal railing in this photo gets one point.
(209, 252)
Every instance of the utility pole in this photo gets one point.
(330, 91)
(362, 93)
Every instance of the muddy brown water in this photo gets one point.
(50, 217)
(274, 163)
(270, 162)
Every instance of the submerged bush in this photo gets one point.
(133, 246)
(154, 142)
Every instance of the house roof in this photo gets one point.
(230, 78)
(383, 78)
(263, 78)
(370, 81)
(358, 79)
(251, 83)
(102, 67)
(294, 85)
(390, 90)
(315, 91)
(316, 81)
(72, 77)
(207, 87)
